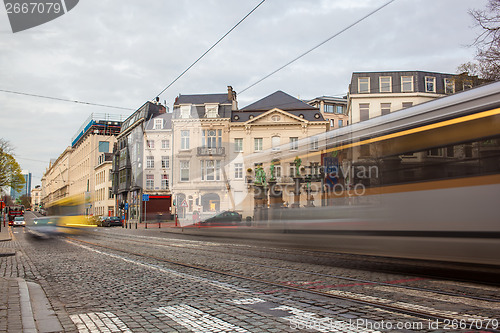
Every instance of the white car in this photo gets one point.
(19, 222)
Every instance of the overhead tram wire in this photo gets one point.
(320, 44)
(63, 99)
(211, 47)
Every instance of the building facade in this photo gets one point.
(128, 161)
(372, 94)
(73, 173)
(200, 129)
(272, 135)
(36, 198)
(333, 109)
(104, 203)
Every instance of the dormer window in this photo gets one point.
(185, 111)
(158, 123)
(211, 111)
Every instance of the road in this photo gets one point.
(122, 280)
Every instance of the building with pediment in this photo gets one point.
(271, 133)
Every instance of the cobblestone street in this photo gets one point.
(119, 280)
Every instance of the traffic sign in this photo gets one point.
(184, 203)
(126, 205)
(145, 197)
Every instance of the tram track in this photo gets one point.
(386, 305)
(318, 274)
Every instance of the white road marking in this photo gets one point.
(215, 283)
(105, 322)
(198, 321)
(302, 320)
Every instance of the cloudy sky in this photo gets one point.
(124, 52)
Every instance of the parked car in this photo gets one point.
(19, 222)
(224, 218)
(113, 221)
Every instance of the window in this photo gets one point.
(150, 182)
(165, 144)
(385, 84)
(407, 105)
(449, 86)
(211, 111)
(364, 111)
(185, 111)
(164, 182)
(150, 144)
(275, 118)
(158, 123)
(435, 152)
(385, 108)
(184, 139)
(363, 85)
(276, 141)
(238, 170)
(430, 84)
(238, 144)
(340, 109)
(211, 138)
(327, 108)
(407, 83)
(314, 143)
(210, 170)
(294, 143)
(341, 123)
(184, 168)
(150, 162)
(257, 144)
(103, 146)
(277, 171)
(165, 162)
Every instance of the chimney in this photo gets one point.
(229, 93)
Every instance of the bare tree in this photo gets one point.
(487, 43)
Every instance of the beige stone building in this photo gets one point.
(271, 133)
(104, 203)
(36, 198)
(73, 173)
(333, 109)
(373, 94)
(200, 127)
(55, 180)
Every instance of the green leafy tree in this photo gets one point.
(10, 171)
(25, 201)
(487, 64)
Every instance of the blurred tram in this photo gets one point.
(65, 215)
(422, 183)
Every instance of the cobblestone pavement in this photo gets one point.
(99, 289)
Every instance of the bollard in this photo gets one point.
(146, 225)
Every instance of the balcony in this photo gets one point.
(218, 151)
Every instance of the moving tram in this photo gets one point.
(422, 183)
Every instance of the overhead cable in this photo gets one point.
(320, 44)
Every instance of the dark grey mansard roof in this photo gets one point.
(167, 121)
(279, 100)
(202, 99)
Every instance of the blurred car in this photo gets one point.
(19, 222)
(223, 218)
(43, 227)
(11, 223)
(113, 221)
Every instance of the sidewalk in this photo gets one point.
(23, 304)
